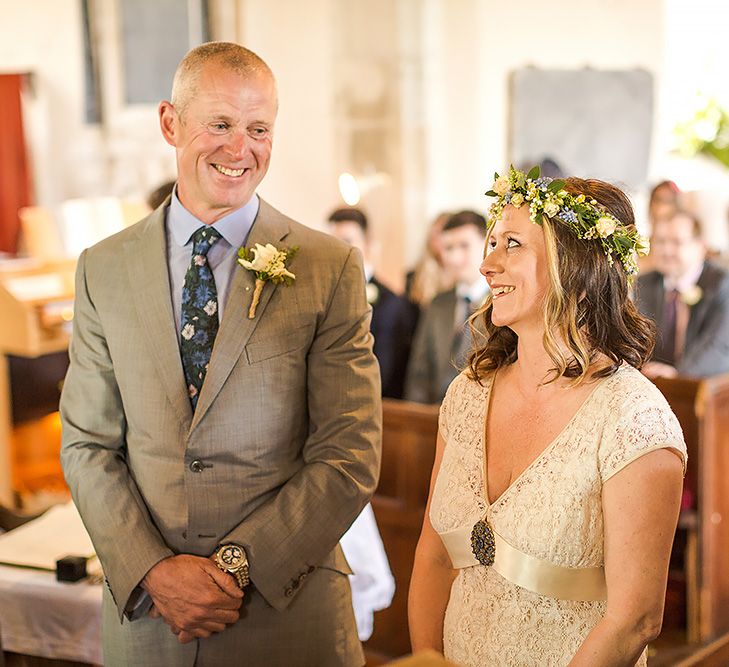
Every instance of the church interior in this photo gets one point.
(401, 110)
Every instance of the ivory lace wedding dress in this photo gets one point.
(552, 511)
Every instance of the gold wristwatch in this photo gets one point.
(232, 558)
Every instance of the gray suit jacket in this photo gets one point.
(706, 348)
(432, 366)
(280, 456)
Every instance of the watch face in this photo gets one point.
(231, 555)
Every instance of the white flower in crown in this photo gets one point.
(642, 246)
(551, 208)
(268, 263)
(605, 226)
(517, 200)
(501, 185)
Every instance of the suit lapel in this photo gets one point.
(146, 259)
(235, 329)
(707, 283)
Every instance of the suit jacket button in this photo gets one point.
(197, 466)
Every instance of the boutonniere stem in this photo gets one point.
(258, 290)
(268, 263)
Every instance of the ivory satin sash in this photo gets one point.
(534, 574)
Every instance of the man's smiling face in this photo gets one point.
(222, 137)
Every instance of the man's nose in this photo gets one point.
(237, 144)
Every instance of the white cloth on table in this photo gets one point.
(42, 617)
(373, 585)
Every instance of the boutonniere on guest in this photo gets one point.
(269, 265)
(373, 293)
(692, 295)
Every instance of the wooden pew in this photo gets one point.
(408, 451)
(702, 408)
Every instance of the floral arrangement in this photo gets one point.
(707, 132)
(586, 218)
(269, 265)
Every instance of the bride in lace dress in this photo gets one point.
(558, 473)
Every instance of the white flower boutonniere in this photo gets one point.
(373, 293)
(692, 295)
(269, 265)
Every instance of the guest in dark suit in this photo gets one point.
(393, 317)
(688, 298)
(442, 340)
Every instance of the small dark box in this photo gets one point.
(71, 568)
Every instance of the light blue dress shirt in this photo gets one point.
(180, 225)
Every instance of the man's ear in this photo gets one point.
(168, 122)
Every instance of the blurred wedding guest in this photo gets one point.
(442, 340)
(157, 197)
(428, 277)
(663, 201)
(393, 319)
(688, 298)
(373, 585)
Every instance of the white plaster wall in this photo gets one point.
(295, 39)
(468, 49)
(472, 48)
(44, 37)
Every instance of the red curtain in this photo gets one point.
(14, 175)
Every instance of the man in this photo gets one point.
(688, 298)
(210, 475)
(393, 317)
(442, 339)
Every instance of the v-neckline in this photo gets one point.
(542, 454)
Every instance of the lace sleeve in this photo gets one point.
(443, 415)
(646, 426)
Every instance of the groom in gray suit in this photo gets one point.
(217, 451)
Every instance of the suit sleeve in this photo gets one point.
(708, 353)
(300, 526)
(93, 455)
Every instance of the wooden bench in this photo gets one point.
(702, 408)
(408, 452)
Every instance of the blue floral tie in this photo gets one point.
(199, 313)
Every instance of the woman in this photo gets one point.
(558, 473)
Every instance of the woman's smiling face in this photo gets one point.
(515, 267)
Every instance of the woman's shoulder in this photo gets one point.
(628, 388)
(633, 399)
(465, 386)
(639, 420)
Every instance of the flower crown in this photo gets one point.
(586, 218)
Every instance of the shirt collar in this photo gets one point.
(234, 227)
(476, 292)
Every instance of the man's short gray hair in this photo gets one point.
(233, 56)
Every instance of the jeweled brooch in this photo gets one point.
(483, 545)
